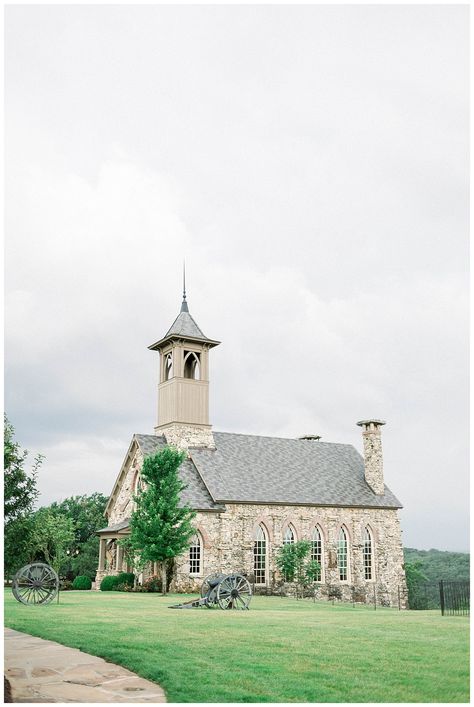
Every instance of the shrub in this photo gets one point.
(65, 585)
(127, 578)
(152, 584)
(109, 583)
(82, 581)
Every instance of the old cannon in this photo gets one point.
(227, 591)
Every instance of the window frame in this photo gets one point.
(368, 539)
(196, 547)
(289, 528)
(320, 553)
(260, 572)
(343, 551)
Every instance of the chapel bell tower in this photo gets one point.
(183, 387)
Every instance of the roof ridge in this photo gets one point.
(286, 439)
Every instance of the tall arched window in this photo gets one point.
(342, 555)
(168, 367)
(368, 554)
(260, 556)
(289, 535)
(191, 365)
(195, 555)
(137, 483)
(317, 551)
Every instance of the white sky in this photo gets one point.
(311, 164)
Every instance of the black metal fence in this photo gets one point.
(454, 597)
(424, 596)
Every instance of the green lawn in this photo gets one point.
(282, 650)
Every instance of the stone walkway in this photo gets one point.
(44, 671)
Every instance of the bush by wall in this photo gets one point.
(82, 581)
(108, 584)
(127, 578)
(152, 584)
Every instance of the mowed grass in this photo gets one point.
(282, 650)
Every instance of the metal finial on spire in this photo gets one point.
(184, 304)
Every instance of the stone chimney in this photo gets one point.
(373, 458)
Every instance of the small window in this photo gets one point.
(137, 485)
(367, 554)
(289, 536)
(260, 556)
(342, 555)
(191, 365)
(195, 555)
(168, 367)
(317, 551)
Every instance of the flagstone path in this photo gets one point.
(44, 671)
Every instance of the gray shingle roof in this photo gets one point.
(195, 494)
(246, 468)
(184, 325)
(118, 526)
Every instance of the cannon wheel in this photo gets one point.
(234, 592)
(35, 584)
(207, 590)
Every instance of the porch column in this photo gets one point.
(155, 568)
(102, 544)
(119, 558)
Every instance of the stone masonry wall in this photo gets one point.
(122, 507)
(184, 436)
(373, 458)
(228, 547)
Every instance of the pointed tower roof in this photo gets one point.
(184, 327)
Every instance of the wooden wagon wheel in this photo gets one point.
(37, 583)
(234, 592)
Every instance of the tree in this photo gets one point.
(52, 536)
(20, 494)
(160, 528)
(295, 564)
(414, 577)
(87, 513)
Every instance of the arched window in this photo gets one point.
(342, 555)
(289, 535)
(368, 554)
(260, 556)
(195, 555)
(137, 484)
(317, 551)
(168, 367)
(191, 365)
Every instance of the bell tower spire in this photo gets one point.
(184, 304)
(183, 386)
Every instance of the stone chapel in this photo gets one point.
(252, 494)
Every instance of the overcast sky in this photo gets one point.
(311, 164)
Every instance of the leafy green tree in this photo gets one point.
(20, 494)
(52, 536)
(295, 564)
(160, 527)
(440, 564)
(87, 513)
(415, 578)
